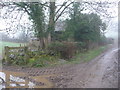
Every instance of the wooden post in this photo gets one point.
(26, 54)
(20, 45)
(7, 54)
(7, 80)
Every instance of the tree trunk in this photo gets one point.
(51, 25)
(42, 43)
(49, 38)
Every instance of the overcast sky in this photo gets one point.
(112, 27)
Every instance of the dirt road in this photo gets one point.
(98, 73)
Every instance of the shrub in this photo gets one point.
(65, 49)
(81, 46)
(42, 61)
(55, 48)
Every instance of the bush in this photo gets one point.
(55, 48)
(65, 49)
(41, 61)
(81, 46)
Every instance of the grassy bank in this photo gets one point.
(82, 57)
(49, 61)
(87, 56)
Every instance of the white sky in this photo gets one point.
(111, 30)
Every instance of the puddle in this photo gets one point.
(17, 80)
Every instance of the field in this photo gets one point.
(10, 44)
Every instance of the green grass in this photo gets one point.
(87, 56)
(82, 57)
(10, 44)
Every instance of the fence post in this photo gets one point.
(7, 54)
(26, 54)
(7, 79)
(20, 45)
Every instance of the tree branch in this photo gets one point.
(62, 11)
(61, 7)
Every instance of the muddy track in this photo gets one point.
(98, 73)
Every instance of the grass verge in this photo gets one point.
(81, 57)
(87, 56)
(48, 61)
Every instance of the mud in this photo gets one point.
(11, 79)
(98, 73)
